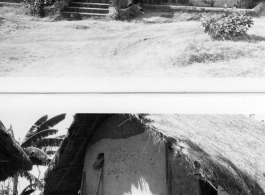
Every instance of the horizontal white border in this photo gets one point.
(129, 85)
(148, 103)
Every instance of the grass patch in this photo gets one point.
(8, 11)
(207, 51)
(20, 13)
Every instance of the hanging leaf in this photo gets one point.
(51, 142)
(37, 156)
(28, 190)
(51, 152)
(31, 178)
(35, 126)
(32, 141)
(60, 137)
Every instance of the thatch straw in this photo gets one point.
(228, 149)
(15, 157)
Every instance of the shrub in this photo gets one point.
(128, 13)
(230, 26)
(36, 7)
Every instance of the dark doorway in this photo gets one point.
(206, 188)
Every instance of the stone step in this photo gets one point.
(86, 10)
(89, 5)
(8, 4)
(92, 1)
(82, 14)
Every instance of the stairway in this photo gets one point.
(87, 8)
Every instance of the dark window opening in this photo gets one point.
(206, 188)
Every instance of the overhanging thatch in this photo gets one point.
(229, 149)
(12, 156)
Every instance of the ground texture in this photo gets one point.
(154, 45)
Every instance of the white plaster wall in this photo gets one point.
(133, 166)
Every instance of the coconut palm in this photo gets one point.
(38, 147)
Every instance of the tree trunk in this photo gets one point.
(15, 184)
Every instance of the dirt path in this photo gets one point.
(95, 48)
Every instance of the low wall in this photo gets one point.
(222, 3)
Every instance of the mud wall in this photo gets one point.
(132, 166)
(222, 3)
(182, 181)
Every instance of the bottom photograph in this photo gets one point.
(133, 154)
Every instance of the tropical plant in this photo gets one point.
(230, 26)
(38, 146)
(5, 187)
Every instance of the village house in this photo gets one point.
(12, 156)
(122, 154)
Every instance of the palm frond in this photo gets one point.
(32, 179)
(52, 122)
(28, 191)
(37, 156)
(60, 137)
(50, 152)
(31, 141)
(49, 142)
(35, 126)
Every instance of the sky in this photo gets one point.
(21, 123)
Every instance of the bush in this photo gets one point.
(128, 13)
(36, 7)
(230, 26)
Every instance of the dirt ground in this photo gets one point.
(154, 45)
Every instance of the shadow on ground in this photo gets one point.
(256, 38)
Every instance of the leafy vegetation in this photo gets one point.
(230, 26)
(38, 147)
(5, 187)
(36, 7)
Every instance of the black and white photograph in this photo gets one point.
(132, 38)
(192, 149)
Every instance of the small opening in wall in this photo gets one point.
(207, 188)
(99, 161)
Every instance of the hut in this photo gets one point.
(12, 156)
(122, 154)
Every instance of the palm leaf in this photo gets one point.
(31, 178)
(60, 137)
(31, 141)
(35, 126)
(49, 142)
(50, 152)
(37, 156)
(52, 122)
(29, 189)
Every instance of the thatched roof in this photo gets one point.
(12, 156)
(229, 149)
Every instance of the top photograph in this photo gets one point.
(132, 38)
